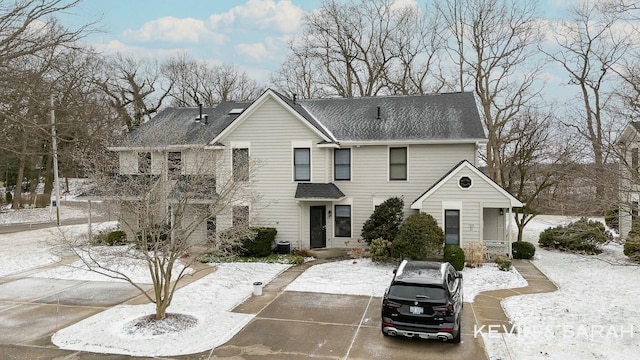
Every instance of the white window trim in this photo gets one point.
(347, 201)
(240, 145)
(350, 163)
(389, 163)
(301, 144)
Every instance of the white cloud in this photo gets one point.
(174, 30)
(280, 16)
(256, 51)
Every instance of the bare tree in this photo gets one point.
(365, 48)
(535, 159)
(167, 208)
(134, 87)
(494, 47)
(30, 40)
(198, 82)
(591, 46)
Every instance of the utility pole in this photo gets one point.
(54, 143)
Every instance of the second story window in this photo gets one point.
(342, 164)
(302, 164)
(634, 159)
(174, 164)
(144, 162)
(241, 164)
(398, 163)
(240, 216)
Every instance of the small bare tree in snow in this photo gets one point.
(169, 202)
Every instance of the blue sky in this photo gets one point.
(251, 34)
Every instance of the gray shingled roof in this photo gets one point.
(414, 117)
(450, 116)
(318, 191)
(177, 126)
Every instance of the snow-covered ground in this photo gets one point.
(597, 294)
(594, 314)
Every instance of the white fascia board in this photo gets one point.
(252, 109)
(412, 142)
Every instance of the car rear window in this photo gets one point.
(414, 291)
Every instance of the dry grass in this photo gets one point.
(475, 254)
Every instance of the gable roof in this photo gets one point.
(632, 128)
(414, 117)
(178, 126)
(464, 164)
(433, 117)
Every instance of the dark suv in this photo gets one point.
(424, 301)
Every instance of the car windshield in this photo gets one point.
(416, 292)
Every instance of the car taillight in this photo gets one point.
(443, 310)
(391, 304)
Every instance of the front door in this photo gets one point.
(318, 227)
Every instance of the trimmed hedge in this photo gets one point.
(385, 221)
(454, 255)
(260, 244)
(419, 238)
(523, 250)
(117, 237)
(379, 251)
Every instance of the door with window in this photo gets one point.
(318, 227)
(452, 227)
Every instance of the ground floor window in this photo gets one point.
(452, 227)
(343, 220)
(211, 228)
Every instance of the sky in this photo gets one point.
(251, 34)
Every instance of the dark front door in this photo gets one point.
(318, 227)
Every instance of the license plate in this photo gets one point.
(416, 310)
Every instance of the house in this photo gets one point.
(323, 165)
(629, 176)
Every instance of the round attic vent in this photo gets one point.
(465, 182)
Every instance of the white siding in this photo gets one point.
(480, 195)
(369, 181)
(271, 131)
(128, 162)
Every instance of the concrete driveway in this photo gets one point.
(328, 326)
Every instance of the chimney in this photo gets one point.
(199, 116)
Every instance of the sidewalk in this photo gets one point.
(486, 305)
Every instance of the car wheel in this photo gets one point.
(456, 339)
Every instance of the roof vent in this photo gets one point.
(236, 111)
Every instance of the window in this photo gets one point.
(634, 159)
(398, 163)
(144, 163)
(634, 211)
(343, 220)
(240, 216)
(342, 164)
(302, 164)
(241, 164)
(452, 227)
(174, 164)
(211, 228)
